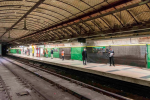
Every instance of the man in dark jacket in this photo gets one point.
(84, 56)
(51, 53)
(111, 58)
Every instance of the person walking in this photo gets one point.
(84, 56)
(51, 53)
(62, 54)
(111, 58)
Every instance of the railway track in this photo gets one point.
(78, 83)
(126, 89)
(25, 83)
(4, 94)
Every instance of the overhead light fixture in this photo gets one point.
(25, 27)
(9, 34)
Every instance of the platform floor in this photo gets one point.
(127, 73)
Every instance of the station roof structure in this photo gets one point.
(34, 21)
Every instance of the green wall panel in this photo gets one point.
(76, 53)
(14, 51)
(56, 52)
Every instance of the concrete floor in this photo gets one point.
(127, 73)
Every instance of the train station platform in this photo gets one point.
(126, 73)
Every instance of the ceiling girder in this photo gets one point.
(25, 15)
(132, 16)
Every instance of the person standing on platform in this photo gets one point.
(51, 53)
(111, 58)
(62, 54)
(84, 56)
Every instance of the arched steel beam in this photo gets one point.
(43, 17)
(95, 23)
(45, 37)
(70, 31)
(65, 32)
(31, 23)
(60, 33)
(90, 28)
(11, 16)
(31, 26)
(58, 7)
(75, 29)
(42, 36)
(105, 22)
(78, 9)
(35, 6)
(22, 29)
(118, 20)
(37, 37)
(75, 8)
(55, 34)
(132, 16)
(40, 8)
(50, 34)
(82, 28)
(34, 11)
(28, 17)
(23, 24)
(48, 15)
(33, 15)
(98, 10)
(93, 9)
(116, 16)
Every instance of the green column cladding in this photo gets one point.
(148, 55)
(76, 53)
(49, 52)
(19, 51)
